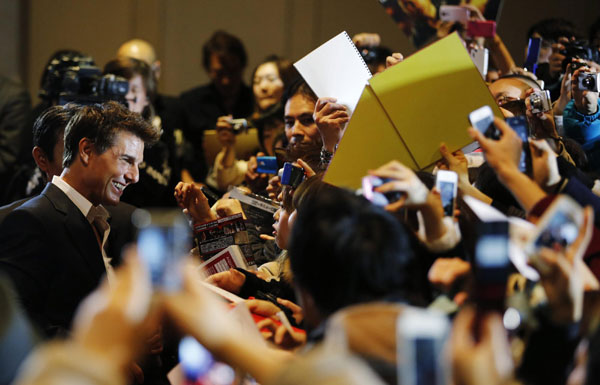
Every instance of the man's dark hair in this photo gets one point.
(129, 67)
(50, 126)
(553, 29)
(344, 250)
(223, 45)
(101, 123)
(298, 87)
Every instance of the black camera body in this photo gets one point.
(579, 50)
(76, 79)
(589, 81)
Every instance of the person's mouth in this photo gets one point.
(119, 186)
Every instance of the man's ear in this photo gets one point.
(40, 158)
(86, 148)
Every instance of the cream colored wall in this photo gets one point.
(178, 29)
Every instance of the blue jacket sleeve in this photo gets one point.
(585, 129)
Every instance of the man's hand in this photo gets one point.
(193, 202)
(331, 119)
(225, 131)
(231, 280)
(446, 271)
(391, 61)
(457, 162)
(502, 155)
(586, 102)
(543, 162)
(403, 180)
(565, 93)
(110, 321)
(542, 123)
(366, 39)
(488, 361)
(228, 207)
(565, 276)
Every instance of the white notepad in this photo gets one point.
(336, 69)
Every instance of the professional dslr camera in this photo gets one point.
(75, 78)
(589, 81)
(540, 101)
(579, 50)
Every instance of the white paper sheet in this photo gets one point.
(336, 69)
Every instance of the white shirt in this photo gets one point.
(85, 206)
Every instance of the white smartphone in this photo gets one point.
(480, 57)
(421, 336)
(164, 238)
(454, 13)
(447, 183)
(558, 227)
(482, 119)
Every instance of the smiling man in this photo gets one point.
(52, 247)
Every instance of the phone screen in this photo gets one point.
(163, 239)
(561, 231)
(520, 126)
(492, 265)
(447, 194)
(425, 356)
(482, 119)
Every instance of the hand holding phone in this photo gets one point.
(482, 119)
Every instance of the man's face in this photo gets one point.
(299, 123)
(226, 74)
(137, 98)
(113, 170)
(510, 94)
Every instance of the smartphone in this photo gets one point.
(447, 183)
(267, 164)
(163, 238)
(454, 13)
(199, 366)
(481, 28)
(291, 175)
(491, 265)
(370, 182)
(533, 54)
(480, 57)
(520, 126)
(558, 227)
(421, 337)
(482, 119)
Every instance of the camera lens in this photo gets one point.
(589, 82)
(536, 101)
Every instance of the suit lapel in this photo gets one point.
(78, 229)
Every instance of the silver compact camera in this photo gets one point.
(239, 125)
(589, 81)
(540, 101)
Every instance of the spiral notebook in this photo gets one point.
(336, 69)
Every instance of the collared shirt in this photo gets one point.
(85, 206)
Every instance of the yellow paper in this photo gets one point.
(370, 141)
(409, 110)
(429, 97)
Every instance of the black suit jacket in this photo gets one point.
(49, 250)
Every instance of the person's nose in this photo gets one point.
(276, 214)
(132, 175)
(298, 129)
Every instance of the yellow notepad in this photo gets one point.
(409, 109)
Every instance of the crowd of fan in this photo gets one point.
(344, 269)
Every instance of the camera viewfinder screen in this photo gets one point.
(447, 195)
(561, 231)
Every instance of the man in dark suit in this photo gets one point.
(52, 247)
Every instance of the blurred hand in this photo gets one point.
(191, 199)
(308, 171)
(274, 187)
(456, 161)
(586, 102)
(556, 58)
(488, 361)
(446, 271)
(110, 321)
(391, 61)
(542, 123)
(262, 307)
(225, 131)
(228, 207)
(231, 280)
(543, 161)
(256, 181)
(565, 276)
(280, 335)
(565, 93)
(501, 155)
(365, 39)
(403, 180)
(331, 119)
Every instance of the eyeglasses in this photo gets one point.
(514, 105)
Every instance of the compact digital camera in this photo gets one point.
(540, 101)
(589, 81)
(239, 125)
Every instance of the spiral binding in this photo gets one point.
(358, 53)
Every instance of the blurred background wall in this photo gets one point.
(31, 30)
